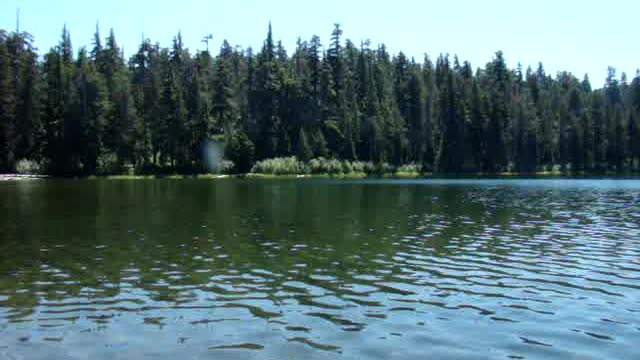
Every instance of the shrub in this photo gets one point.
(26, 166)
(409, 169)
(225, 167)
(346, 167)
(279, 166)
(321, 165)
(379, 168)
(358, 166)
(334, 167)
(369, 167)
(240, 150)
(108, 165)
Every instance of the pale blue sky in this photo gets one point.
(577, 36)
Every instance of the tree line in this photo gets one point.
(95, 112)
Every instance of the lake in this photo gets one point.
(320, 269)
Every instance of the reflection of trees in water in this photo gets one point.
(91, 239)
(179, 242)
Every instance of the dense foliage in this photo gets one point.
(95, 112)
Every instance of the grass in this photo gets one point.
(405, 175)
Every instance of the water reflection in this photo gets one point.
(319, 269)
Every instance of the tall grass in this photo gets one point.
(280, 166)
(323, 166)
(28, 167)
(409, 169)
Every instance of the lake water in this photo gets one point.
(320, 269)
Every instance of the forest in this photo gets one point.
(95, 112)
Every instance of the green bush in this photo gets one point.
(317, 166)
(380, 168)
(108, 164)
(280, 166)
(369, 167)
(329, 166)
(359, 166)
(225, 167)
(334, 167)
(409, 169)
(26, 166)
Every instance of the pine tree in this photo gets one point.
(94, 114)
(92, 106)
(452, 118)
(199, 108)
(350, 111)
(500, 117)
(634, 123)
(267, 97)
(600, 140)
(224, 111)
(428, 75)
(320, 145)
(314, 64)
(145, 80)
(7, 109)
(59, 125)
(25, 87)
(478, 121)
(240, 150)
(172, 102)
(334, 58)
(121, 119)
(416, 120)
(303, 150)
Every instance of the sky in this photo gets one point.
(565, 35)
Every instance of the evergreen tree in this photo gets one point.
(172, 103)
(500, 117)
(450, 157)
(478, 121)
(59, 125)
(224, 110)
(303, 151)
(144, 70)
(25, 87)
(600, 140)
(121, 117)
(634, 123)
(416, 118)
(267, 97)
(240, 150)
(7, 109)
(199, 108)
(92, 114)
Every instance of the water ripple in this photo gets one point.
(381, 270)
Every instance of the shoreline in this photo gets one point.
(348, 176)
(22, 177)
